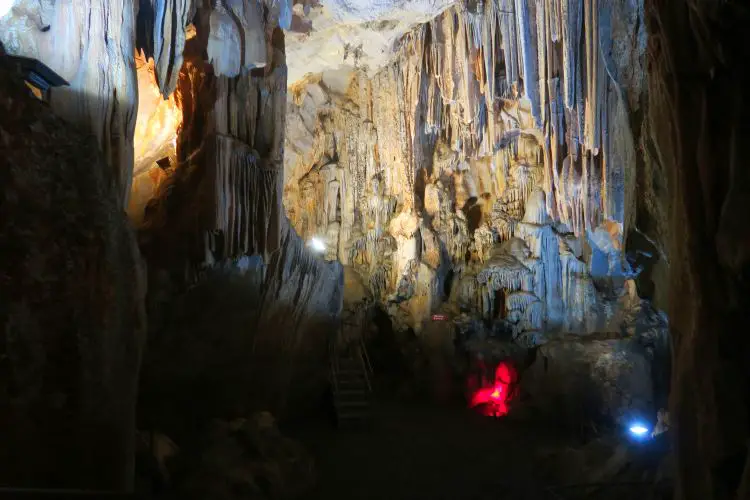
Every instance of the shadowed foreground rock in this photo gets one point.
(699, 114)
(248, 458)
(71, 305)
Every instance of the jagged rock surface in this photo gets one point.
(475, 135)
(591, 381)
(698, 115)
(91, 44)
(333, 35)
(206, 159)
(222, 256)
(248, 458)
(72, 291)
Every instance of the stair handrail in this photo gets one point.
(361, 348)
(364, 358)
(362, 352)
(334, 361)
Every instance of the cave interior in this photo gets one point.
(398, 249)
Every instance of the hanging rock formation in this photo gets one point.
(327, 35)
(228, 274)
(487, 165)
(205, 161)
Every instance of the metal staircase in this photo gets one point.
(351, 375)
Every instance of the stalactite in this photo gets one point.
(528, 44)
(509, 39)
(444, 111)
(170, 25)
(246, 210)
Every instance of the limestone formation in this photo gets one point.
(479, 134)
(515, 165)
(72, 290)
(206, 159)
(91, 44)
(214, 232)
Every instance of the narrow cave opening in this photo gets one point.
(473, 213)
(448, 284)
(499, 310)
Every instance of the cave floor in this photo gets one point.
(418, 450)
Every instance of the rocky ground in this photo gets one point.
(425, 451)
(409, 450)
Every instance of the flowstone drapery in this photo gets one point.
(494, 122)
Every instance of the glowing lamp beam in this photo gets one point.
(317, 245)
(638, 430)
(5, 6)
(494, 396)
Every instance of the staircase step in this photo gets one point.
(352, 404)
(351, 378)
(357, 391)
(354, 413)
(343, 419)
(343, 386)
(359, 401)
(349, 370)
(352, 388)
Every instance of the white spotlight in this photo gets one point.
(638, 430)
(5, 6)
(317, 245)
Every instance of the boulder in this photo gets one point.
(584, 381)
(248, 458)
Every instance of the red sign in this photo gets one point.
(439, 317)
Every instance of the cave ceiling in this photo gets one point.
(486, 164)
(468, 156)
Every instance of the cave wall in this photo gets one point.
(698, 117)
(91, 45)
(240, 310)
(229, 281)
(493, 154)
(72, 314)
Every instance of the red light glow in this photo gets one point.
(492, 397)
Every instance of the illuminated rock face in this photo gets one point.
(186, 99)
(488, 165)
(90, 44)
(329, 35)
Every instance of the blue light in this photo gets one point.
(638, 430)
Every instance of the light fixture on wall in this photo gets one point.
(639, 430)
(317, 245)
(5, 6)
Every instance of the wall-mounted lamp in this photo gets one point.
(317, 245)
